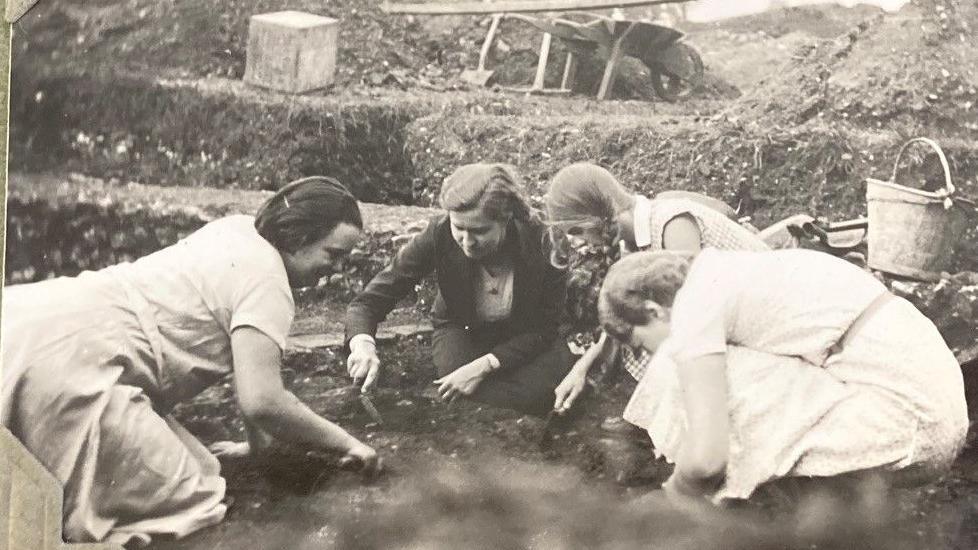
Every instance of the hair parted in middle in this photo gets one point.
(495, 188)
(635, 279)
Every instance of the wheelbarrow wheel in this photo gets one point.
(679, 76)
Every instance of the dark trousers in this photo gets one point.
(525, 388)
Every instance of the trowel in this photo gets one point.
(547, 431)
(368, 405)
(480, 77)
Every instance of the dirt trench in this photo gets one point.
(471, 476)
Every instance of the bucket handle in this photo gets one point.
(940, 154)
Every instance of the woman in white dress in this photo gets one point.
(93, 364)
(818, 371)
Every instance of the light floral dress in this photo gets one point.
(891, 398)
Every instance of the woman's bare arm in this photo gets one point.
(682, 234)
(574, 381)
(706, 447)
(272, 409)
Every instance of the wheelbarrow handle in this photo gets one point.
(821, 231)
(816, 230)
(561, 28)
(848, 225)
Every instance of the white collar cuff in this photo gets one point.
(640, 222)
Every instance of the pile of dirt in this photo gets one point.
(914, 73)
(822, 21)
(804, 140)
(192, 39)
(746, 59)
(376, 50)
(147, 130)
(150, 131)
(768, 173)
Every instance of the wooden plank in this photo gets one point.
(570, 71)
(542, 62)
(610, 73)
(611, 68)
(514, 6)
(529, 90)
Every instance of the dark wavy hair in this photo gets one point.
(305, 211)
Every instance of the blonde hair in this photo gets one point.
(494, 188)
(585, 193)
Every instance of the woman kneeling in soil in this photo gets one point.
(499, 299)
(583, 198)
(818, 371)
(93, 364)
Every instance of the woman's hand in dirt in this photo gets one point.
(363, 458)
(363, 364)
(571, 387)
(230, 449)
(463, 380)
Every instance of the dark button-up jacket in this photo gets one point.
(539, 289)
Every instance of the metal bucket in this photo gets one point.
(913, 233)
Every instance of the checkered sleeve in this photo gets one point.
(717, 230)
(636, 362)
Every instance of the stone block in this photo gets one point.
(300, 343)
(53, 516)
(31, 502)
(21, 460)
(291, 51)
(27, 500)
(6, 482)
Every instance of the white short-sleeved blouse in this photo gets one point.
(784, 302)
(223, 276)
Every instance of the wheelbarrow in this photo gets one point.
(675, 68)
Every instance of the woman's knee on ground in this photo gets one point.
(452, 348)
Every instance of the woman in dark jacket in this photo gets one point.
(499, 300)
